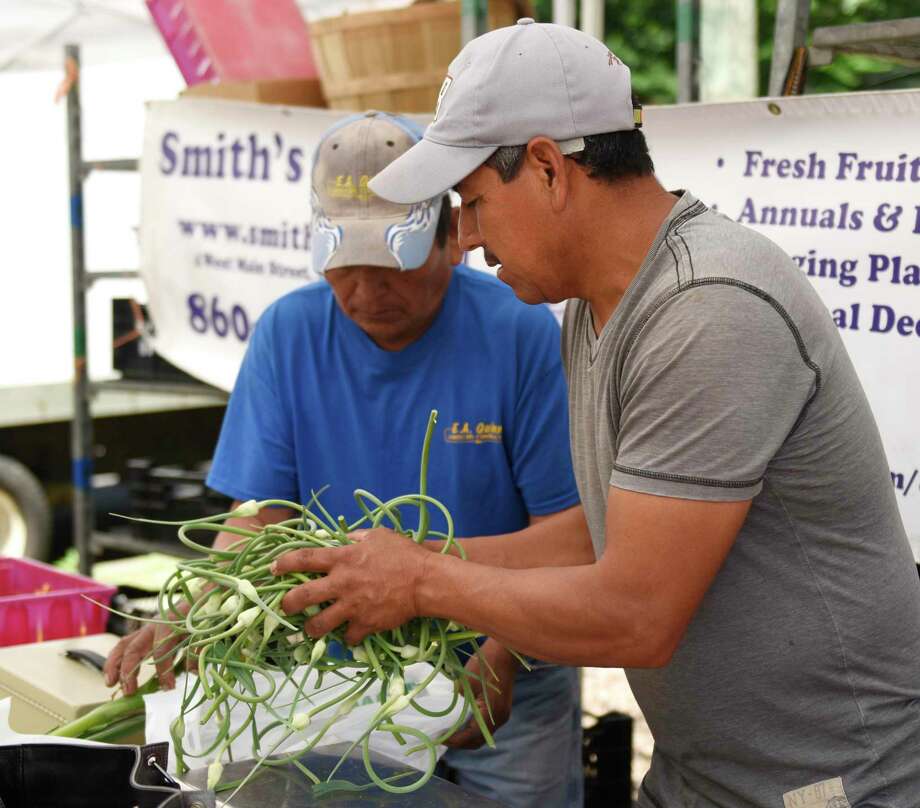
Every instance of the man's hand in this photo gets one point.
(500, 690)
(371, 583)
(124, 660)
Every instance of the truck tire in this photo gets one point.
(25, 514)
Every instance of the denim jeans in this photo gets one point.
(536, 762)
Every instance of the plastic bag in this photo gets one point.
(162, 709)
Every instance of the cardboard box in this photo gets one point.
(48, 689)
(286, 92)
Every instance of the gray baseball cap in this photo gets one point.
(351, 225)
(504, 88)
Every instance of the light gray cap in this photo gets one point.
(504, 88)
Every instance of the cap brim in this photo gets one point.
(364, 242)
(428, 170)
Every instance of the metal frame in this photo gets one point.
(81, 435)
(898, 40)
(592, 18)
(687, 56)
(81, 432)
(564, 12)
(474, 19)
(789, 32)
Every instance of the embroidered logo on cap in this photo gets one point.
(441, 93)
(326, 237)
(345, 187)
(409, 252)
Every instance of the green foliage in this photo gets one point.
(642, 33)
(846, 73)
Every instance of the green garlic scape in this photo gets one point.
(231, 606)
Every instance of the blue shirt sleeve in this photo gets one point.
(255, 457)
(541, 459)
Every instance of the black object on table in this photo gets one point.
(607, 759)
(54, 775)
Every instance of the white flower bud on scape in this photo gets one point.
(300, 722)
(215, 770)
(249, 508)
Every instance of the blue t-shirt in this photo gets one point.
(317, 403)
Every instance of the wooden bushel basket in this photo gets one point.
(395, 60)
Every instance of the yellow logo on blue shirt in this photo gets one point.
(482, 432)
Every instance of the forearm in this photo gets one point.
(629, 609)
(568, 615)
(226, 539)
(559, 540)
(264, 517)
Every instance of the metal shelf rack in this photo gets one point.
(88, 542)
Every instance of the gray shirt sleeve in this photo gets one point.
(712, 384)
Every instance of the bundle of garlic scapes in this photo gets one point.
(238, 638)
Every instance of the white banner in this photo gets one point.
(835, 180)
(225, 223)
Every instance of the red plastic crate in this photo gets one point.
(39, 602)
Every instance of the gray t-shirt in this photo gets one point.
(721, 376)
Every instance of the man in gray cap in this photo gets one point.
(752, 572)
(336, 388)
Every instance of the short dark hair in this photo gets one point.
(443, 228)
(610, 156)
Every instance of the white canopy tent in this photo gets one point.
(34, 32)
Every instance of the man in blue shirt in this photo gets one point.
(336, 388)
